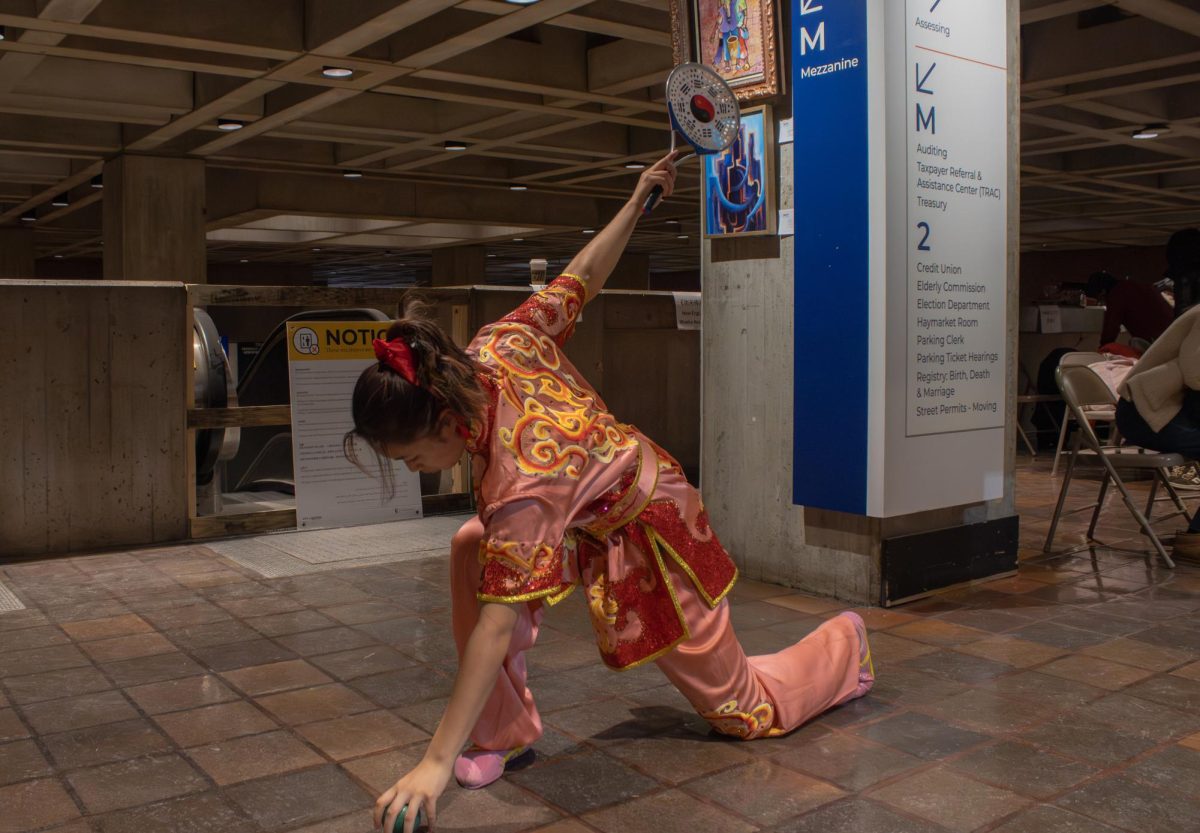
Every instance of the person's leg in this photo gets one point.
(510, 720)
(751, 697)
(1181, 435)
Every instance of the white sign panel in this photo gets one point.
(787, 222)
(325, 359)
(957, 154)
(1051, 318)
(687, 310)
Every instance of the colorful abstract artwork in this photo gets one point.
(737, 182)
(737, 38)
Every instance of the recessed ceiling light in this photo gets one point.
(2, 33)
(491, 255)
(29, 216)
(1150, 131)
(353, 174)
(230, 124)
(518, 239)
(337, 72)
(518, 187)
(61, 201)
(589, 231)
(671, 222)
(98, 181)
(521, 2)
(635, 166)
(244, 260)
(452, 145)
(681, 237)
(58, 257)
(315, 249)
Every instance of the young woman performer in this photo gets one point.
(568, 496)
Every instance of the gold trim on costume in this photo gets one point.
(626, 516)
(729, 720)
(524, 597)
(712, 602)
(579, 280)
(553, 600)
(666, 579)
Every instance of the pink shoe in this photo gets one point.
(476, 768)
(866, 668)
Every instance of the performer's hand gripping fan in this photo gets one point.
(704, 112)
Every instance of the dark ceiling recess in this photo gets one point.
(1102, 16)
(530, 35)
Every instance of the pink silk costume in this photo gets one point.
(568, 496)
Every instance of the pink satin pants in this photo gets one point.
(747, 697)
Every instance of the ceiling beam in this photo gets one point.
(43, 196)
(613, 28)
(1042, 99)
(236, 192)
(1057, 8)
(1118, 136)
(144, 36)
(16, 66)
(1165, 12)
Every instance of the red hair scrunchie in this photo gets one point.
(397, 355)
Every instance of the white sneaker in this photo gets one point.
(1185, 477)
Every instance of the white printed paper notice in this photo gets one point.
(1051, 318)
(785, 131)
(787, 222)
(687, 310)
(325, 359)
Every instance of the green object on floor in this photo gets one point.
(398, 827)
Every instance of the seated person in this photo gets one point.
(1136, 305)
(1159, 405)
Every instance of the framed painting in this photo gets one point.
(739, 39)
(739, 198)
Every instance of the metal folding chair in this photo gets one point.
(1072, 360)
(1081, 388)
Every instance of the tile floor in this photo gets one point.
(172, 690)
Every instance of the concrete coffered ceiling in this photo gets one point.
(557, 98)
(554, 98)
(1093, 74)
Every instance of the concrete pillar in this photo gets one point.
(154, 219)
(755, 342)
(16, 253)
(459, 266)
(631, 272)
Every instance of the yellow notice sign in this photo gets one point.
(333, 340)
(325, 359)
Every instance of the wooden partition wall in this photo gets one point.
(93, 389)
(97, 419)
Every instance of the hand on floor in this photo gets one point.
(419, 790)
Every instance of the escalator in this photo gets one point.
(255, 458)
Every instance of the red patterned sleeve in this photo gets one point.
(522, 554)
(553, 310)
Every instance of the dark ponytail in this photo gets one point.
(387, 408)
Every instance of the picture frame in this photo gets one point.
(748, 56)
(739, 186)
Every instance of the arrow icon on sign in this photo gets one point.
(807, 7)
(936, 3)
(921, 79)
